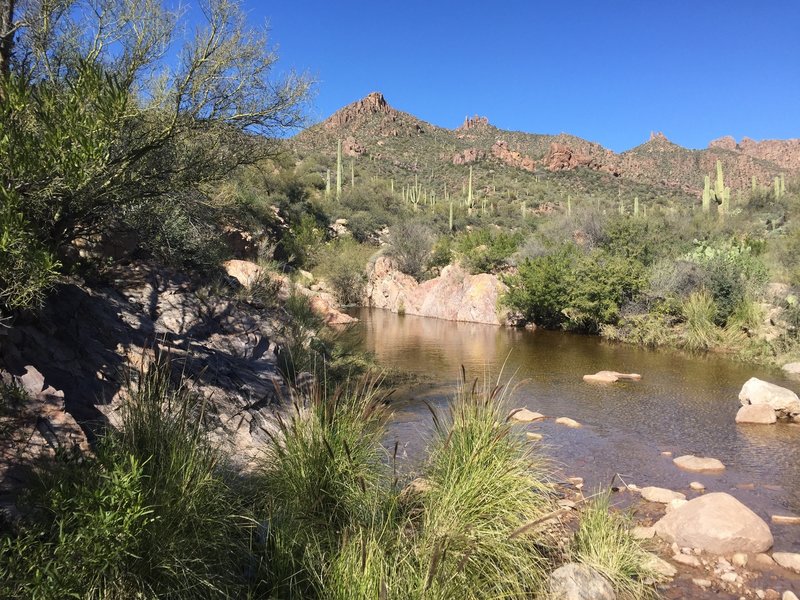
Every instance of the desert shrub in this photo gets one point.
(410, 245)
(151, 516)
(27, 269)
(599, 285)
(441, 254)
(304, 242)
(635, 239)
(342, 263)
(732, 274)
(675, 279)
(700, 313)
(540, 288)
(484, 250)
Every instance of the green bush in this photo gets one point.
(540, 289)
(27, 269)
(410, 244)
(343, 264)
(150, 517)
(484, 250)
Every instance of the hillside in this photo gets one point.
(398, 145)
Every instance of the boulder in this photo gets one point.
(243, 271)
(782, 400)
(455, 295)
(792, 368)
(788, 560)
(568, 422)
(611, 377)
(760, 414)
(660, 495)
(523, 415)
(698, 464)
(717, 523)
(578, 582)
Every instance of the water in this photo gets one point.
(683, 405)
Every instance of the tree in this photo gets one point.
(103, 121)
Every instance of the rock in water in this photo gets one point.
(661, 495)
(611, 377)
(578, 582)
(717, 523)
(698, 464)
(788, 560)
(760, 414)
(523, 415)
(568, 422)
(782, 400)
(792, 368)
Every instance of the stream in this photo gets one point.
(684, 405)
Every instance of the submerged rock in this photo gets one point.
(568, 422)
(698, 464)
(578, 582)
(788, 560)
(717, 523)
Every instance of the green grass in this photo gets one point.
(603, 542)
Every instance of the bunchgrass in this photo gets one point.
(604, 543)
(487, 488)
(150, 516)
(699, 311)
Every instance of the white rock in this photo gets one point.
(534, 437)
(698, 464)
(756, 391)
(697, 486)
(659, 566)
(675, 503)
(661, 495)
(739, 559)
(789, 595)
(788, 560)
(759, 414)
(703, 583)
(523, 415)
(717, 523)
(729, 577)
(578, 582)
(568, 422)
(785, 519)
(792, 368)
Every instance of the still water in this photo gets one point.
(683, 404)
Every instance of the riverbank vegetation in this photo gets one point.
(158, 513)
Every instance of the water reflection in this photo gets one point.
(683, 404)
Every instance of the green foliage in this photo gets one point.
(410, 245)
(604, 543)
(151, 517)
(343, 264)
(304, 242)
(27, 270)
(732, 274)
(485, 250)
(599, 286)
(540, 289)
(441, 253)
(700, 312)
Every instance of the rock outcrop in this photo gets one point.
(468, 156)
(475, 122)
(783, 401)
(502, 152)
(455, 295)
(561, 157)
(371, 104)
(717, 523)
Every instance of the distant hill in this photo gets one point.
(400, 142)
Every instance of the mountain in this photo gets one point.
(400, 145)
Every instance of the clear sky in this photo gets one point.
(610, 71)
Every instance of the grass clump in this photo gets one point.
(604, 543)
(150, 516)
(486, 488)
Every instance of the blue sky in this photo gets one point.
(610, 71)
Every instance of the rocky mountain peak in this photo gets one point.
(475, 122)
(371, 104)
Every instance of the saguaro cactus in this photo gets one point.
(339, 170)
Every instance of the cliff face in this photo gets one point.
(455, 295)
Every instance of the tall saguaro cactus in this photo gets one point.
(469, 192)
(339, 171)
(722, 193)
(706, 194)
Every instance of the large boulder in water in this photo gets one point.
(717, 523)
(783, 401)
(611, 377)
(761, 414)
